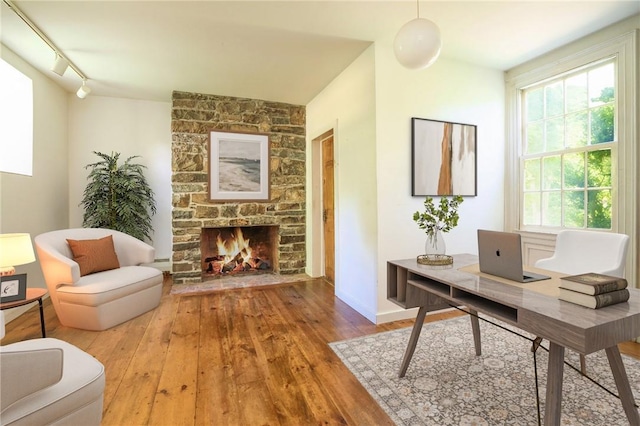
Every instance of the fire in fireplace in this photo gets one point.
(238, 250)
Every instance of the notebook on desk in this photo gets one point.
(500, 254)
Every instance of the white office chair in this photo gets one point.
(579, 252)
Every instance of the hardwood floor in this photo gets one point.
(240, 357)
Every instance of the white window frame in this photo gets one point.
(624, 218)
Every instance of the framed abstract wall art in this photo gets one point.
(238, 166)
(443, 158)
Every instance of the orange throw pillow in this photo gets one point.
(94, 255)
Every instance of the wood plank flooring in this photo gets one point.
(238, 357)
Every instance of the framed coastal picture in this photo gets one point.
(443, 158)
(238, 166)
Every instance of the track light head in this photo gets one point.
(84, 90)
(60, 65)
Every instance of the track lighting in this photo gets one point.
(62, 62)
(84, 90)
(60, 65)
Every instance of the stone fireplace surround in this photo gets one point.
(193, 117)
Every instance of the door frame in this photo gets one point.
(315, 229)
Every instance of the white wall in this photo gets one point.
(348, 106)
(450, 91)
(375, 210)
(130, 127)
(38, 203)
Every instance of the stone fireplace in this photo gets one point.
(193, 117)
(236, 250)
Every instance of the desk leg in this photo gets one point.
(44, 332)
(622, 383)
(553, 403)
(413, 340)
(475, 327)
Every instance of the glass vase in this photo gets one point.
(435, 243)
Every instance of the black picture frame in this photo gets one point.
(443, 158)
(13, 288)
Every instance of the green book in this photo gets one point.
(592, 283)
(594, 302)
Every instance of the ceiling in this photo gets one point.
(285, 51)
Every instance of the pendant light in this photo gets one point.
(417, 45)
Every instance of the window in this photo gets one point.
(16, 121)
(568, 145)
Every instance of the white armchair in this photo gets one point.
(100, 300)
(48, 381)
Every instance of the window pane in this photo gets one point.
(554, 99)
(532, 175)
(602, 124)
(601, 85)
(16, 121)
(552, 208)
(551, 176)
(531, 214)
(555, 134)
(534, 137)
(599, 168)
(577, 125)
(565, 182)
(573, 170)
(535, 105)
(599, 209)
(577, 98)
(574, 209)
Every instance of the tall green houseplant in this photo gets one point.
(118, 197)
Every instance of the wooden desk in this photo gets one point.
(33, 295)
(532, 307)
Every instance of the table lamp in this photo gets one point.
(15, 249)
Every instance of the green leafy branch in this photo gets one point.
(443, 218)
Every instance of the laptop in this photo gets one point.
(500, 254)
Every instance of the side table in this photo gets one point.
(33, 294)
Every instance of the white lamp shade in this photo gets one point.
(83, 91)
(15, 249)
(417, 45)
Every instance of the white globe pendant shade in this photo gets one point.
(417, 44)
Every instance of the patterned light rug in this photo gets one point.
(446, 384)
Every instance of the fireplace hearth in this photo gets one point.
(228, 251)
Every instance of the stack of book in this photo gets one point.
(593, 290)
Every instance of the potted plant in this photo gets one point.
(118, 197)
(435, 220)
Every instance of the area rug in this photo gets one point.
(447, 384)
(241, 281)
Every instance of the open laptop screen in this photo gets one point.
(500, 254)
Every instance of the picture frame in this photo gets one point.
(443, 158)
(239, 166)
(13, 288)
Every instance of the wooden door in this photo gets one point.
(328, 222)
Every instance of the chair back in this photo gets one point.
(579, 252)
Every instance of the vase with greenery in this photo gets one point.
(435, 220)
(118, 197)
